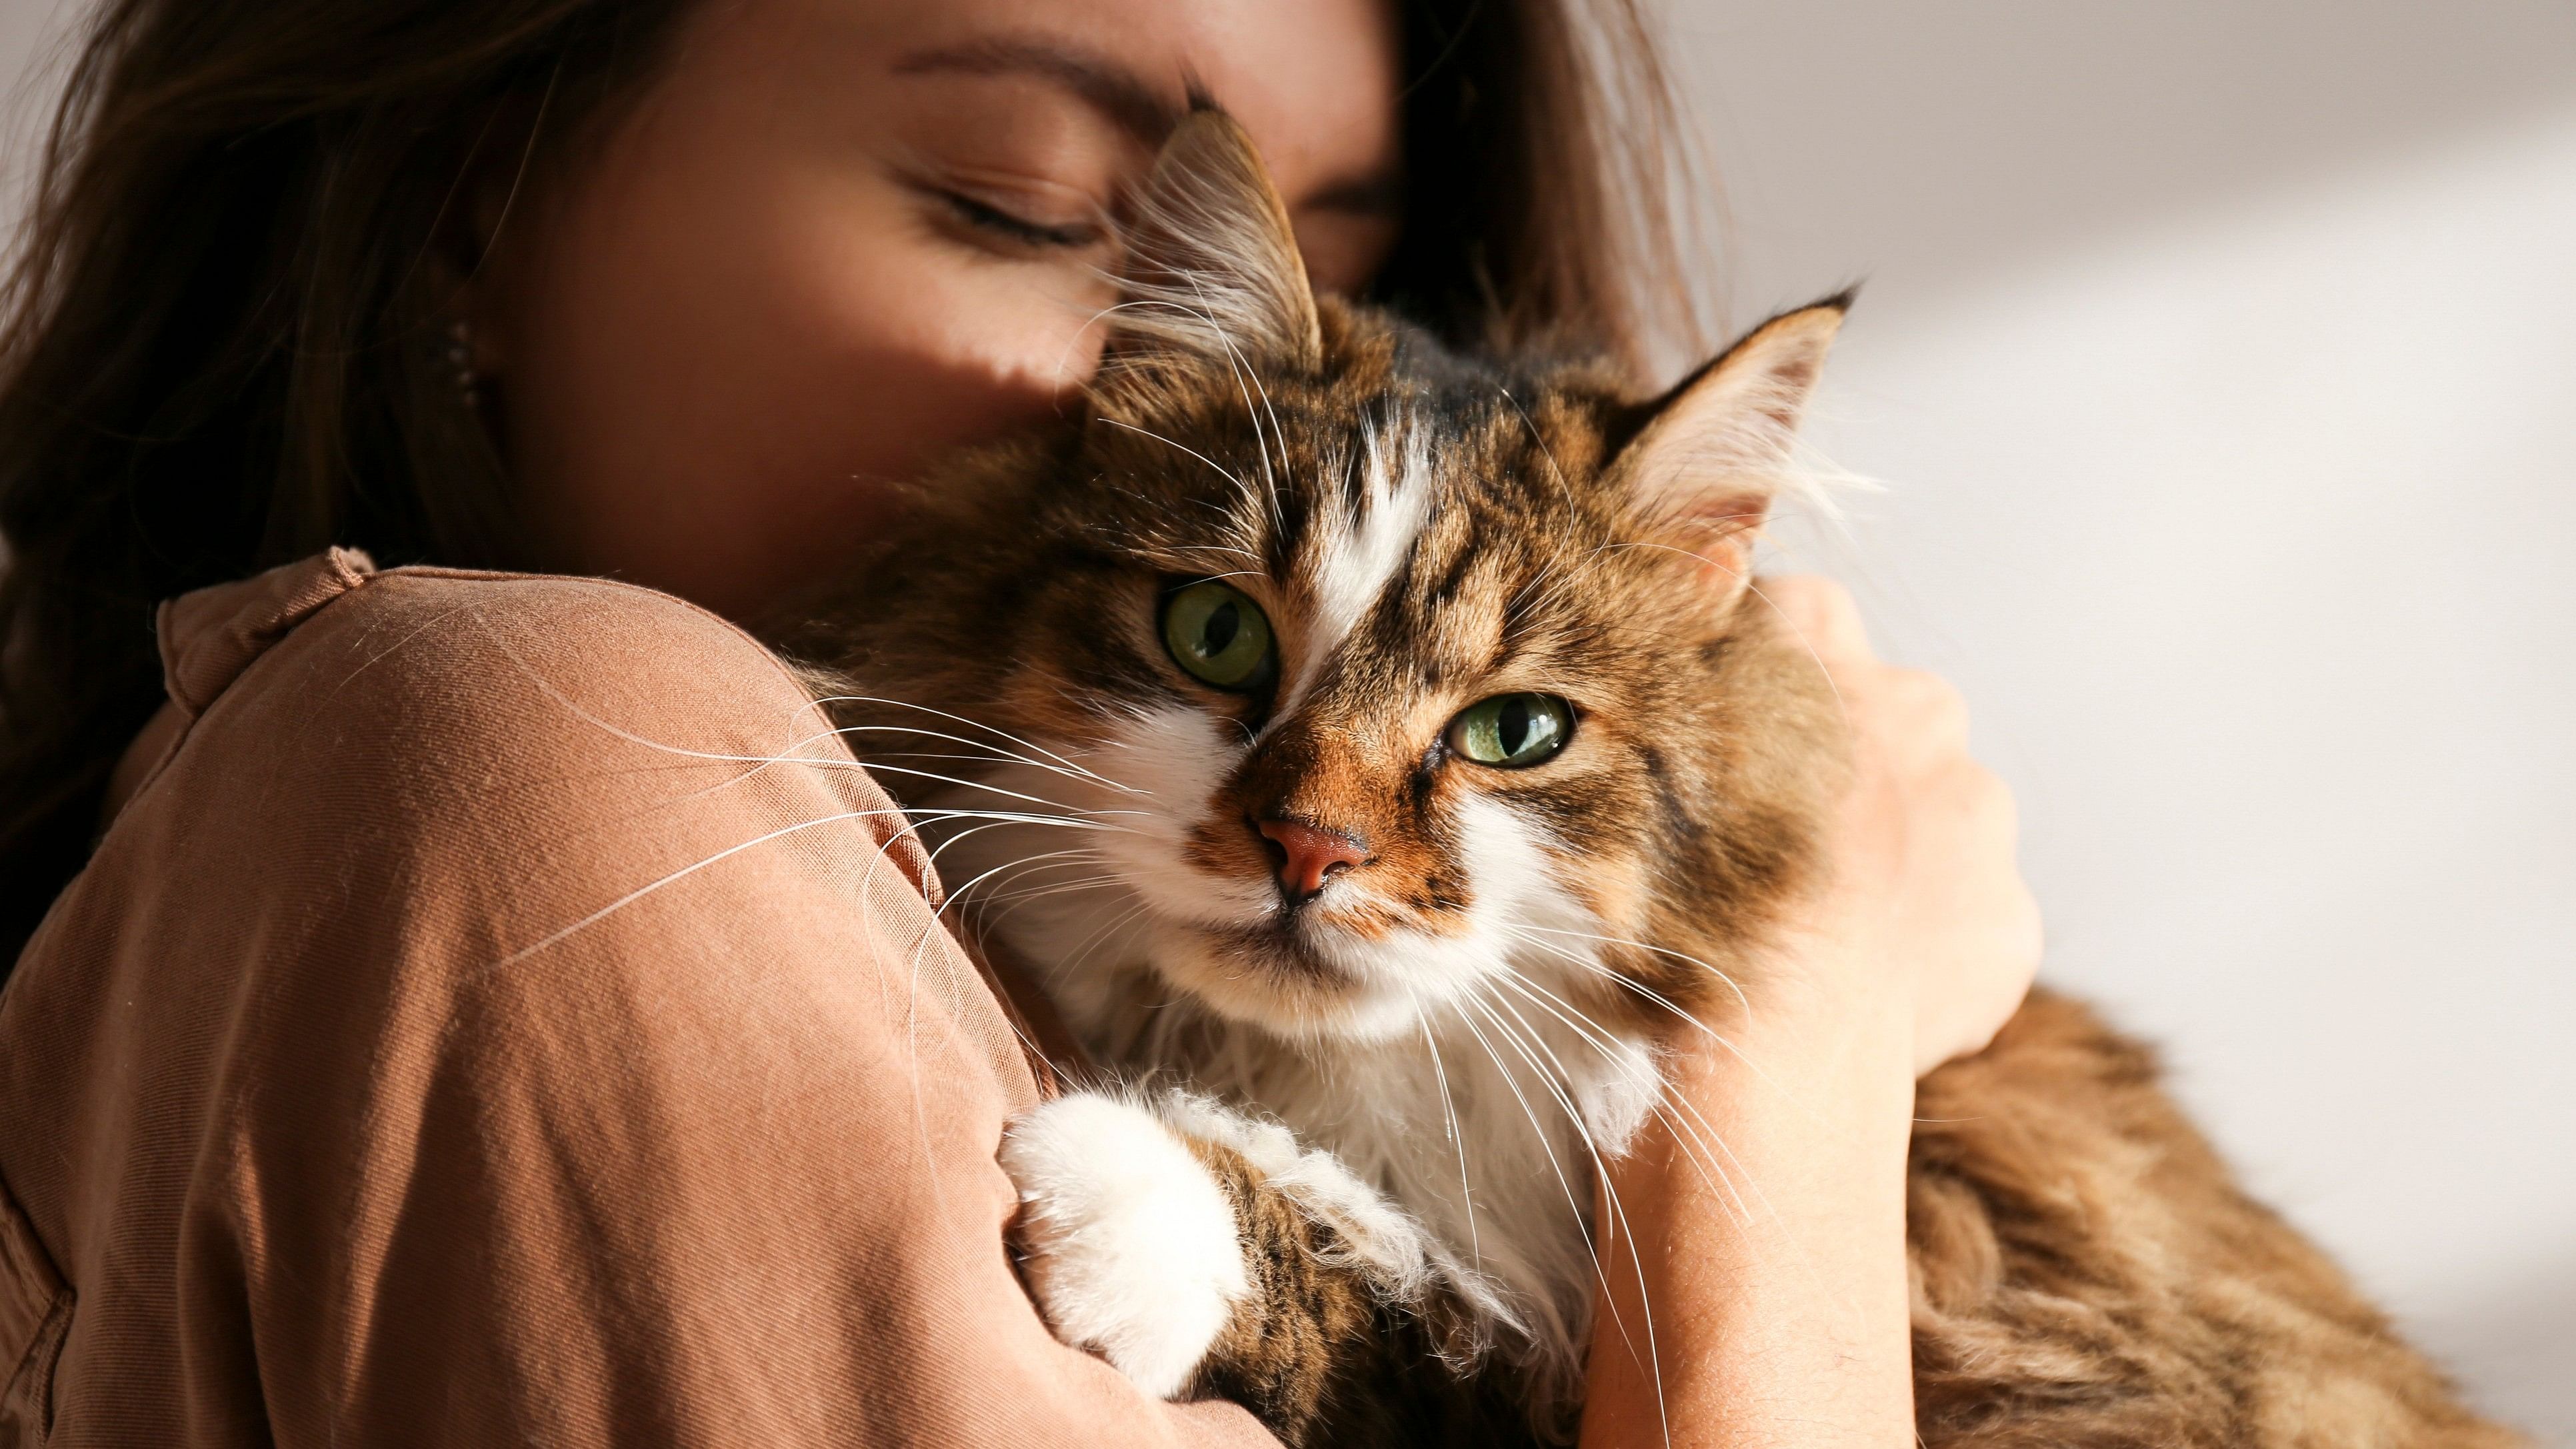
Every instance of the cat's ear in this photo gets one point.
(1703, 462)
(1211, 266)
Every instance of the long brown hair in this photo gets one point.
(225, 344)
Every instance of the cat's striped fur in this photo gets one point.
(1399, 1080)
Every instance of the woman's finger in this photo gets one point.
(1922, 713)
(1822, 614)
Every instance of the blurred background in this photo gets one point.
(2218, 360)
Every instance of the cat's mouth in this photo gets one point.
(1283, 948)
(1293, 974)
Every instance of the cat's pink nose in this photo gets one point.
(1308, 855)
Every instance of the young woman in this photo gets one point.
(434, 1033)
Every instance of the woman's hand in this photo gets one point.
(1923, 904)
(1753, 1243)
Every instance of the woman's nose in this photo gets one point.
(1308, 855)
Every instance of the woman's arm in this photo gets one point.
(1764, 1250)
(464, 1038)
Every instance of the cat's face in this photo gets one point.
(1350, 685)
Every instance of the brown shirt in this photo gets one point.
(503, 1013)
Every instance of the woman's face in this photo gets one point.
(839, 236)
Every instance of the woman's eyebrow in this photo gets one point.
(1108, 87)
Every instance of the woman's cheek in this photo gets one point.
(939, 347)
(869, 375)
(834, 350)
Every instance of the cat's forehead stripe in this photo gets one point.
(1355, 555)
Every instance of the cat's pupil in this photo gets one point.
(1512, 727)
(1219, 631)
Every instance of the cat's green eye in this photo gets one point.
(1219, 636)
(1512, 731)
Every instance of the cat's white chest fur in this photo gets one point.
(1488, 1122)
(1490, 1129)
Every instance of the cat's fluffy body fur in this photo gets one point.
(1399, 1084)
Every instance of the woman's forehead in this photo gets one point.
(1314, 81)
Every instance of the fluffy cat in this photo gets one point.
(1373, 752)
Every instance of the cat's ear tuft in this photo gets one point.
(1703, 462)
(1211, 264)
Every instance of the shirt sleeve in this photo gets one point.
(604, 1076)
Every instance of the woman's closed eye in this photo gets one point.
(1013, 214)
(1025, 231)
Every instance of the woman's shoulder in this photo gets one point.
(423, 786)
(479, 727)
(502, 895)
(414, 674)
(415, 637)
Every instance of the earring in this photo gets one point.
(460, 356)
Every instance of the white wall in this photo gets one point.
(2220, 358)
(31, 32)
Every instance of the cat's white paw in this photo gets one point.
(1129, 1244)
(1371, 1232)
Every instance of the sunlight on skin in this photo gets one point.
(1764, 1313)
(837, 239)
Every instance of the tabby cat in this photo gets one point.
(1372, 751)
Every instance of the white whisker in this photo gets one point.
(1740, 998)
(1070, 812)
(1601, 1039)
(1029, 745)
(1222, 471)
(1601, 1165)
(1449, 1119)
(993, 751)
(683, 872)
(1469, 1004)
